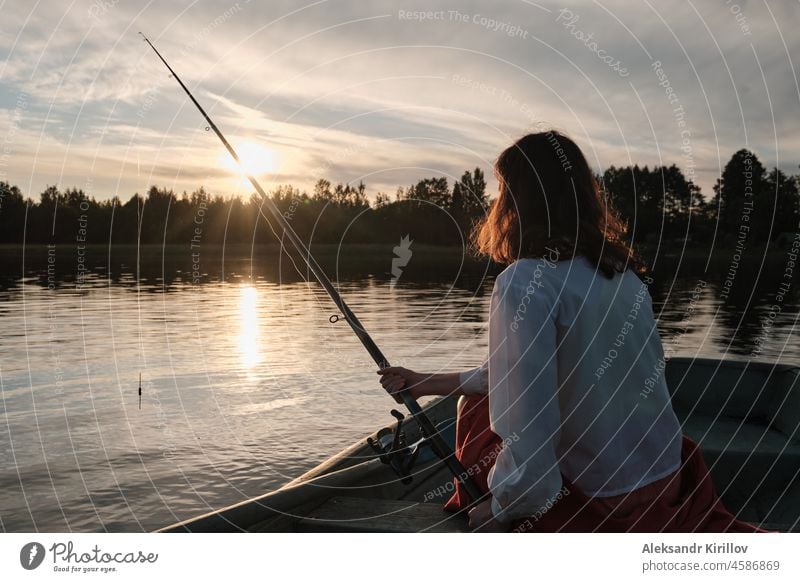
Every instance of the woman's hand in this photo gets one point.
(482, 520)
(396, 379)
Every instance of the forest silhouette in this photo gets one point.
(658, 204)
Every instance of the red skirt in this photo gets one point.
(685, 501)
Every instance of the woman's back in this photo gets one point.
(581, 355)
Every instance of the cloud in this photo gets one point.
(389, 92)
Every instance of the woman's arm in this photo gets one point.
(475, 381)
(523, 396)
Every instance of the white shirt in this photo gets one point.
(576, 386)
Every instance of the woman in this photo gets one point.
(577, 432)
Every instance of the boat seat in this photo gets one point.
(746, 418)
(740, 437)
(745, 451)
(755, 461)
(360, 514)
(758, 392)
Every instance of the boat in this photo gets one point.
(744, 415)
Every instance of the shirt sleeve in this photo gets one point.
(475, 381)
(523, 396)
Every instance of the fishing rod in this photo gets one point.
(429, 432)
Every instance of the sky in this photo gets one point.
(386, 92)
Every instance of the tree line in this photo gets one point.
(658, 203)
(748, 201)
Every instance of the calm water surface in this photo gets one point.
(246, 384)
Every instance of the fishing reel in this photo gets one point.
(392, 450)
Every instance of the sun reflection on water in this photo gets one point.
(250, 355)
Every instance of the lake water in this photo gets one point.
(246, 384)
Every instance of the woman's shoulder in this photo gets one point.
(549, 268)
(564, 277)
(542, 276)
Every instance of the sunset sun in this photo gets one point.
(255, 160)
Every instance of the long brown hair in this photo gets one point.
(550, 201)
